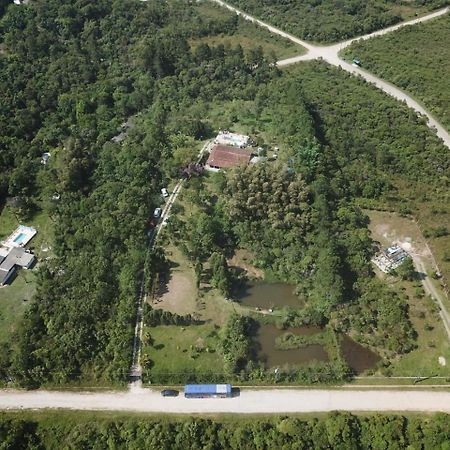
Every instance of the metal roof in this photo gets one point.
(222, 156)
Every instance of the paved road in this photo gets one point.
(250, 401)
(330, 54)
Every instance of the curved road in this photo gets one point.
(330, 54)
(249, 402)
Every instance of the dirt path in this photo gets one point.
(136, 369)
(249, 402)
(330, 54)
(431, 290)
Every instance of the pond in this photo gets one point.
(272, 357)
(358, 357)
(268, 296)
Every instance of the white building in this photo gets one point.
(232, 139)
(390, 258)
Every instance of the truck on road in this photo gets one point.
(207, 390)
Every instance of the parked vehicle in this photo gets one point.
(157, 213)
(164, 192)
(169, 393)
(207, 390)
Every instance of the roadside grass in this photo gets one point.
(15, 297)
(248, 35)
(179, 350)
(432, 340)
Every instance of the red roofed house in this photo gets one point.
(222, 157)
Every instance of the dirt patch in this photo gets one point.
(242, 260)
(389, 228)
(179, 294)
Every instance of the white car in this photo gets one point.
(164, 192)
(157, 213)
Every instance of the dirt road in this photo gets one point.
(431, 290)
(250, 401)
(330, 54)
(136, 369)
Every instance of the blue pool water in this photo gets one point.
(19, 238)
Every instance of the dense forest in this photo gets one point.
(332, 431)
(331, 21)
(415, 58)
(68, 87)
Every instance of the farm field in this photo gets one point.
(328, 21)
(247, 35)
(415, 58)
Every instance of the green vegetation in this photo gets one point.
(343, 145)
(243, 33)
(66, 93)
(415, 58)
(388, 155)
(330, 21)
(182, 354)
(15, 297)
(333, 430)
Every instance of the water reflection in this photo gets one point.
(268, 296)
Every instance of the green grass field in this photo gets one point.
(248, 35)
(414, 58)
(179, 350)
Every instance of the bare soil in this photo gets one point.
(242, 260)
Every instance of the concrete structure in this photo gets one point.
(223, 157)
(20, 237)
(232, 139)
(390, 258)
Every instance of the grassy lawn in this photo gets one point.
(14, 301)
(184, 350)
(248, 35)
(14, 297)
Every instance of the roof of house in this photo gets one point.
(16, 257)
(222, 156)
(4, 275)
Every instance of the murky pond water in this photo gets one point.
(268, 296)
(358, 357)
(272, 357)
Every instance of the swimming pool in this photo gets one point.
(20, 238)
